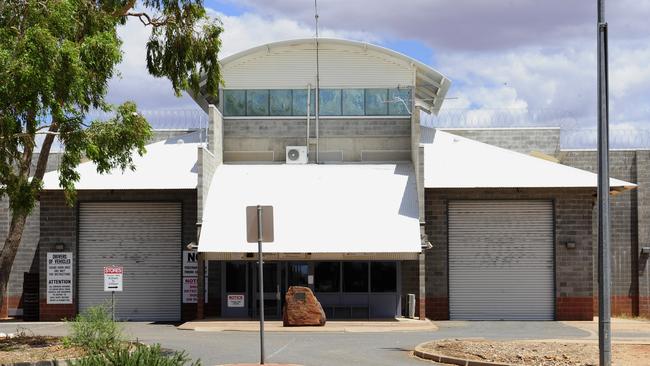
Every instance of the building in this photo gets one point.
(469, 221)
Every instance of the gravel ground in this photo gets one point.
(540, 353)
(35, 348)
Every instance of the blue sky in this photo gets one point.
(501, 55)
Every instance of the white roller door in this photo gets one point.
(501, 260)
(144, 238)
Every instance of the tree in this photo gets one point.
(56, 58)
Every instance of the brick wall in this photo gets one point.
(58, 223)
(574, 267)
(625, 226)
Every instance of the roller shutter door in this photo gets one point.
(501, 260)
(144, 238)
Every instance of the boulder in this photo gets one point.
(301, 308)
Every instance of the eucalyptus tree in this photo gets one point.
(56, 58)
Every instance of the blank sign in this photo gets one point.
(267, 224)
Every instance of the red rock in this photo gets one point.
(301, 308)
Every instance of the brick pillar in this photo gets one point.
(422, 288)
(200, 286)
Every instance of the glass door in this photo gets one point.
(272, 295)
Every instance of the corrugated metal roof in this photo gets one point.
(452, 161)
(342, 208)
(168, 164)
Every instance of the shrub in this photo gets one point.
(94, 330)
(138, 355)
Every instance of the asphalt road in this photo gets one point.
(318, 349)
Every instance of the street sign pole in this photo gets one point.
(604, 256)
(113, 305)
(261, 281)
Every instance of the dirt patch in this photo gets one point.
(539, 353)
(35, 348)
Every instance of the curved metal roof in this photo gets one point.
(431, 85)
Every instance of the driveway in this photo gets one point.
(344, 348)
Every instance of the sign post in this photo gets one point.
(112, 283)
(259, 228)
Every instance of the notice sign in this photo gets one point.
(59, 278)
(235, 301)
(191, 264)
(113, 278)
(191, 290)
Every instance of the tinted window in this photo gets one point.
(270, 277)
(397, 98)
(235, 277)
(234, 102)
(376, 102)
(330, 102)
(383, 276)
(257, 102)
(355, 276)
(297, 274)
(300, 102)
(327, 277)
(280, 102)
(352, 102)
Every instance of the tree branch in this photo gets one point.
(147, 20)
(43, 156)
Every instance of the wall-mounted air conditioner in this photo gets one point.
(296, 155)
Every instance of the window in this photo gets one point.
(376, 102)
(395, 97)
(300, 102)
(352, 102)
(257, 103)
(270, 277)
(235, 277)
(355, 276)
(280, 104)
(327, 277)
(234, 102)
(383, 276)
(297, 274)
(329, 102)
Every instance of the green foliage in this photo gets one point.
(141, 355)
(94, 331)
(56, 58)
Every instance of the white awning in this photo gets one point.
(168, 164)
(347, 209)
(452, 161)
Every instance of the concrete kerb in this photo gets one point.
(331, 326)
(421, 352)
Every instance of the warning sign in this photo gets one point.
(191, 290)
(59, 278)
(191, 264)
(113, 278)
(236, 301)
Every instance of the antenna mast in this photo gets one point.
(317, 97)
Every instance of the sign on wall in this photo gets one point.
(59, 278)
(113, 278)
(191, 290)
(191, 264)
(236, 301)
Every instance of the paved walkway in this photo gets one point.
(395, 325)
(347, 348)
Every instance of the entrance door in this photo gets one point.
(272, 293)
(235, 300)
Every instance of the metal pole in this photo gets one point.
(261, 279)
(317, 97)
(113, 305)
(604, 255)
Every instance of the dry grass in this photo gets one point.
(23, 348)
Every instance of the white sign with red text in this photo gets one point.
(191, 290)
(113, 278)
(59, 278)
(236, 301)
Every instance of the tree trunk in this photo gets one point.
(9, 251)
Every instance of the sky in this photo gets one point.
(511, 62)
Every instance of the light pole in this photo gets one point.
(604, 255)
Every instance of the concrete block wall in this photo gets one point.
(58, 224)
(643, 235)
(573, 272)
(339, 137)
(523, 140)
(625, 225)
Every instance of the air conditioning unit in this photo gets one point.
(296, 155)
